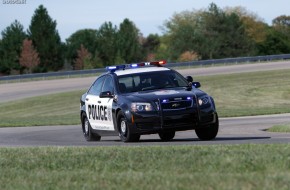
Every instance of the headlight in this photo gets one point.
(203, 100)
(141, 106)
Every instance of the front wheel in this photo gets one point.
(166, 136)
(124, 130)
(208, 132)
(87, 130)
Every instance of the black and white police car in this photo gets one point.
(146, 98)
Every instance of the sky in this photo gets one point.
(147, 15)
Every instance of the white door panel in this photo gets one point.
(99, 112)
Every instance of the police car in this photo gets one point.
(146, 98)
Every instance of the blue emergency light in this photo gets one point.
(135, 65)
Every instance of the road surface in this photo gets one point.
(239, 130)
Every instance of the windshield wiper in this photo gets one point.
(149, 88)
(157, 87)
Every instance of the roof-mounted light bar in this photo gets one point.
(135, 65)
(115, 67)
(158, 63)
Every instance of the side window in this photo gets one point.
(108, 85)
(97, 86)
(131, 83)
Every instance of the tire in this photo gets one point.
(208, 132)
(124, 130)
(166, 136)
(87, 130)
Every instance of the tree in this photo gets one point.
(210, 33)
(162, 52)
(255, 28)
(129, 45)
(85, 37)
(276, 43)
(107, 43)
(235, 42)
(181, 34)
(282, 24)
(188, 56)
(278, 37)
(212, 25)
(46, 40)
(83, 59)
(12, 38)
(225, 35)
(282, 20)
(29, 56)
(150, 46)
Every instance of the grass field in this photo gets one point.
(62, 109)
(245, 94)
(181, 167)
(285, 128)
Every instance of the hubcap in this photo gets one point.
(86, 127)
(123, 127)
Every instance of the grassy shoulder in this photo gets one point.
(244, 94)
(153, 167)
(56, 109)
(283, 128)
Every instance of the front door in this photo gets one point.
(99, 112)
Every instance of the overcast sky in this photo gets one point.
(148, 15)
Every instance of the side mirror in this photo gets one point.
(196, 84)
(106, 94)
(189, 79)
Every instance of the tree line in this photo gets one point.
(211, 33)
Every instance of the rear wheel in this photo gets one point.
(208, 132)
(124, 130)
(87, 130)
(166, 136)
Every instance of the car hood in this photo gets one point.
(163, 94)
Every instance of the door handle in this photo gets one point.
(87, 99)
(99, 102)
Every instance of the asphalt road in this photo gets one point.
(15, 91)
(242, 130)
(232, 130)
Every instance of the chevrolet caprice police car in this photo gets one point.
(145, 98)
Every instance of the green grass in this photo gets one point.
(153, 167)
(283, 128)
(56, 109)
(244, 94)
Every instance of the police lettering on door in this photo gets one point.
(98, 112)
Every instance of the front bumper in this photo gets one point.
(154, 122)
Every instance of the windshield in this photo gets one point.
(150, 81)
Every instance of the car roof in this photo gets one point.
(140, 70)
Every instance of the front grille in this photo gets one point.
(176, 103)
